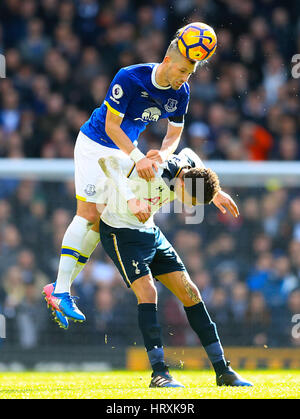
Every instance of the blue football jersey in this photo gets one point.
(135, 96)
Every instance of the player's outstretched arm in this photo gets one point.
(169, 144)
(224, 201)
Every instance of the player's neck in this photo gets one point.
(160, 76)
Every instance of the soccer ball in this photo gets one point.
(197, 41)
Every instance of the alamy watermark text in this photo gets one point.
(2, 66)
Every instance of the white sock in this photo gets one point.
(71, 248)
(89, 244)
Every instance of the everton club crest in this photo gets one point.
(171, 105)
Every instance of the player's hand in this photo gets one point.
(141, 210)
(156, 155)
(222, 201)
(144, 168)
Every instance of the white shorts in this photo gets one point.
(87, 170)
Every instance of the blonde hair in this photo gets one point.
(173, 51)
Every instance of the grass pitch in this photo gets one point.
(134, 385)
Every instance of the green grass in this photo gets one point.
(134, 385)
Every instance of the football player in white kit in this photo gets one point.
(141, 252)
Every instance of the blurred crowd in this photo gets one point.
(60, 58)
(62, 54)
(247, 270)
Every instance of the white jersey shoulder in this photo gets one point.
(192, 156)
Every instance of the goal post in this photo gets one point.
(231, 173)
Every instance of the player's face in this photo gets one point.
(182, 194)
(179, 72)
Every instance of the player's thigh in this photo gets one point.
(166, 259)
(89, 211)
(145, 290)
(168, 268)
(181, 285)
(88, 174)
(130, 250)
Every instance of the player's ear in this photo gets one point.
(167, 59)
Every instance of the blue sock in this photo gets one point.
(151, 331)
(203, 326)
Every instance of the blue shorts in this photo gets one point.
(138, 253)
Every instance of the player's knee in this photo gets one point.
(90, 213)
(191, 296)
(96, 227)
(145, 290)
(92, 217)
(148, 295)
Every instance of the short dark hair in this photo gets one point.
(211, 184)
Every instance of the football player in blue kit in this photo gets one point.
(138, 95)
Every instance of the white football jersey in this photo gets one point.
(123, 183)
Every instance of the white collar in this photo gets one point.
(154, 81)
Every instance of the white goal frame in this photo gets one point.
(231, 173)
